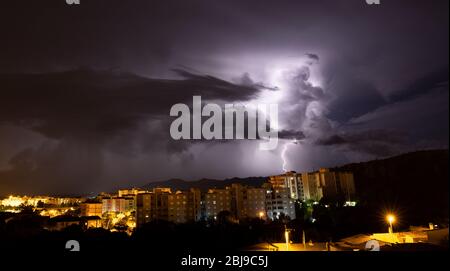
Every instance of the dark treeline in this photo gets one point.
(318, 223)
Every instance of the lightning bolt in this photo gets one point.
(283, 154)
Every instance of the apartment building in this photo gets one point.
(184, 206)
(291, 181)
(152, 206)
(217, 200)
(118, 204)
(274, 199)
(316, 185)
(91, 209)
(254, 203)
(279, 202)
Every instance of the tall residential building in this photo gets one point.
(161, 203)
(254, 203)
(237, 200)
(327, 180)
(246, 202)
(336, 184)
(197, 198)
(311, 186)
(291, 181)
(91, 209)
(184, 206)
(346, 185)
(278, 202)
(144, 208)
(316, 185)
(217, 200)
(118, 204)
(152, 206)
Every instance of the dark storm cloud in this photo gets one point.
(424, 84)
(84, 103)
(375, 142)
(354, 98)
(312, 58)
(100, 107)
(291, 134)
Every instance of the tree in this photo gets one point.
(26, 209)
(224, 217)
(40, 204)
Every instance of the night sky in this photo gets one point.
(85, 91)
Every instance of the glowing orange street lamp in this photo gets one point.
(261, 215)
(390, 219)
(286, 237)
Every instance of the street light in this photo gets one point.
(286, 237)
(390, 219)
(261, 215)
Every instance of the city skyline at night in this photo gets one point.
(224, 134)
